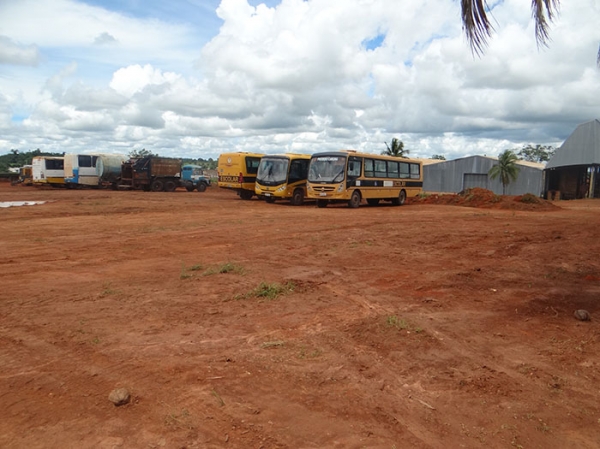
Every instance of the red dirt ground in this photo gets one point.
(421, 326)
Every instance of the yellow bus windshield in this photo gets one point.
(327, 169)
(272, 171)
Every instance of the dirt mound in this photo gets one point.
(483, 198)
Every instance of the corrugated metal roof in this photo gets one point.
(582, 147)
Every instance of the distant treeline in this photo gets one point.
(16, 159)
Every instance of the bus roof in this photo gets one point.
(345, 153)
(288, 156)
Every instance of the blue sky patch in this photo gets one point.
(376, 42)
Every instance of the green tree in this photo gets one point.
(538, 153)
(396, 149)
(506, 169)
(136, 154)
(440, 157)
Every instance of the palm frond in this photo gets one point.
(476, 24)
(543, 12)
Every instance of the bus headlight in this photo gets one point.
(281, 189)
(340, 188)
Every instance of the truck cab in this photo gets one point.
(192, 178)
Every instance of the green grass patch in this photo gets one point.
(272, 291)
(272, 344)
(401, 324)
(268, 291)
(227, 267)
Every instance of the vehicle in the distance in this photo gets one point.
(237, 171)
(151, 173)
(192, 178)
(349, 176)
(25, 175)
(282, 177)
(93, 170)
(48, 170)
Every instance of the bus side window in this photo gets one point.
(84, 161)
(354, 168)
(380, 169)
(297, 170)
(414, 171)
(404, 170)
(369, 171)
(392, 169)
(252, 165)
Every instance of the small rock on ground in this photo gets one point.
(582, 315)
(119, 396)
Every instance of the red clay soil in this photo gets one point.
(241, 324)
(483, 198)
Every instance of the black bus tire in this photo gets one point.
(400, 200)
(298, 197)
(354, 200)
(246, 194)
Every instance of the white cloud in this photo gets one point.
(130, 80)
(297, 77)
(13, 53)
(105, 39)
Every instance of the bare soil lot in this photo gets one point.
(241, 324)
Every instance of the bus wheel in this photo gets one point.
(373, 201)
(298, 197)
(202, 187)
(246, 194)
(170, 186)
(354, 200)
(157, 185)
(322, 203)
(400, 200)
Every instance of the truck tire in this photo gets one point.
(202, 187)
(157, 185)
(189, 188)
(170, 186)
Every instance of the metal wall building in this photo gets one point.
(472, 171)
(574, 170)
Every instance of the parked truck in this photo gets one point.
(151, 173)
(192, 178)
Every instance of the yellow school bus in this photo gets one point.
(349, 176)
(237, 171)
(282, 176)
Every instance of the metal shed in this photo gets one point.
(574, 170)
(472, 171)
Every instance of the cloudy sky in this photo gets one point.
(195, 78)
